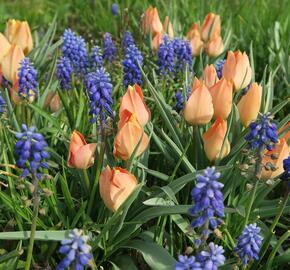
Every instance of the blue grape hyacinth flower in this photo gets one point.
(64, 72)
(127, 40)
(31, 151)
(165, 59)
(180, 99)
(2, 104)
(187, 263)
(263, 133)
(115, 9)
(96, 57)
(286, 166)
(208, 204)
(219, 68)
(76, 251)
(249, 243)
(99, 89)
(132, 73)
(109, 48)
(27, 78)
(183, 54)
(212, 258)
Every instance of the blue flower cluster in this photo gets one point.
(245, 90)
(77, 251)
(127, 40)
(96, 57)
(132, 73)
(219, 68)
(249, 243)
(165, 59)
(2, 104)
(99, 89)
(75, 49)
(180, 99)
(64, 72)
(30, 148)
(183, 54)
(286, 166)
(208, 200)
(109, 48)
(27, 78)
(115, 9)
(263, 133)
(209, 259)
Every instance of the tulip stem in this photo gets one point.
(87, 180)
(36, 201)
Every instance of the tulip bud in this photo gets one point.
(209, 76)
(211, 27)
(156, 41)
(128, 137)
(237, 68)
(194, 37)
(133, 101)
(198, 109)
(281, 150)
(151, 22)
(215, 46)
(222, 98)
(213, 139)
(167, 27)
(81, 154)
(115, 186)
(250, 103)
(4, 45)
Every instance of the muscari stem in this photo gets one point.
(36, 201)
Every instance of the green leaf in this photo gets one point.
(39, 235)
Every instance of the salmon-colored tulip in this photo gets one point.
(115, 186)
(151, 22)
(211, 26)
(250, 103)
(198, 109)
(215, 46)
(209, 76)
(156, 41)
(133, 101)
(18, 32)
(4, 46)
(129, 134)
(237, 68)
(281, 152)
(81, 154)
(52, 101)
(213, 139)
(222, 98)
(194, 37)
(11, 62)
(167, 27)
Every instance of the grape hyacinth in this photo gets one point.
(127, 40)
(30, 149)
(219, 68)
(132, 73)
(165, 60)
(249, 243)
(115, 9)
(27, 78)
(183, 54)
(187, 263)
(74, 48)
(263, 133)
(99, 89)
(64, 72)
(180, 99)
(245, 90)
(109, 48)
(96, 57)
(286, 166)
(208, 200)
(213, 258)
(2, 104)
(77, 251)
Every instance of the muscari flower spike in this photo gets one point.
(2, 104)
(27, 78)
(74, 48)
(219, 68)
(31, 151)
(109, 48)
(96, 57)
(115, 9)
(249, 243)
(208, 200)
(165, 59)
(77, 251)
(64, 72)
(132, 73)
(180, 99)
(127, 40)
(286, 166)
(183, 54)
(187, 263)
(99, 89)
(263, 133)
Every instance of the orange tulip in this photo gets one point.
(133, 101)
(215, 46)
(129, 134)
(156, 41)
(4, 46)
(237, 68)
(167, 27)
(250, 103)
(151, 22)
(209, 76)
(18, 32)
(281, 151)
(198, 109)
(81, 154)
(213, 139)
(222, 98)
(194, 37)
(115, 186)
(52, 101)
(211, 27)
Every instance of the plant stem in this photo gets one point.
(233, 244)
(36, 201)
(87, 180)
